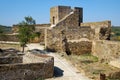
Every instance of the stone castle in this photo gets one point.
(65, 33)
(67, 30)
(68, 33)
(67, 23)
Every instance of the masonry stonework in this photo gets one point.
(78, 48)
(106, 50)
(70, 28)
(102, 29)
(27, 70)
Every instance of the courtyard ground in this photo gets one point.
(63, 70)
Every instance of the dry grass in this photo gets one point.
(90, 65)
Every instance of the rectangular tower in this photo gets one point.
(58, 12)
(79, 13)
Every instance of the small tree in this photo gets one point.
(26, 31)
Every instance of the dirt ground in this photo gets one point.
(92, 67)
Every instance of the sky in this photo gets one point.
(14, 11)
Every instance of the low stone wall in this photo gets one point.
(97, 24)
(106, 50)
(11, 60)
(14, 38)
(11, 37)
(15, 28)
(102, 29)
(28, 71)
(78, 48)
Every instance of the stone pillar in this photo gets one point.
(45, 38)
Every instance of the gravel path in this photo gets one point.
(63, 70)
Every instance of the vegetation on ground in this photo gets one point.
(40, 78)
(5, 29)
(115, 33)
(91, 66)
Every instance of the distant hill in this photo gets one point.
(6, 29)
(115, 33)
(116, 30)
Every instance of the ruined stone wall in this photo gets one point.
(56, 38)
(106, 50)
(38, 27)
(6, 37)
(78, 48)
(11, 60)
(102, 29)
(80, 33)
(27, 71)
(97, 24)
(14, 38)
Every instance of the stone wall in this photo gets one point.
(97, 24)
(28, 71)
(56, 38)
(80, 33)
(106, 50)
(8, 37)
(102, 29)
(78, 48)
(38, 27)
(11, 60)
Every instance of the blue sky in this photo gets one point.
(14, 11)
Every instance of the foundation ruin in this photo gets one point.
(14, 66)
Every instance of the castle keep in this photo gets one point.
(58, 13)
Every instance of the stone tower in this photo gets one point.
(59, 12)
(79, 12)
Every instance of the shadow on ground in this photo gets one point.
(58, 72)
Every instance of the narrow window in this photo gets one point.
(53, 20)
